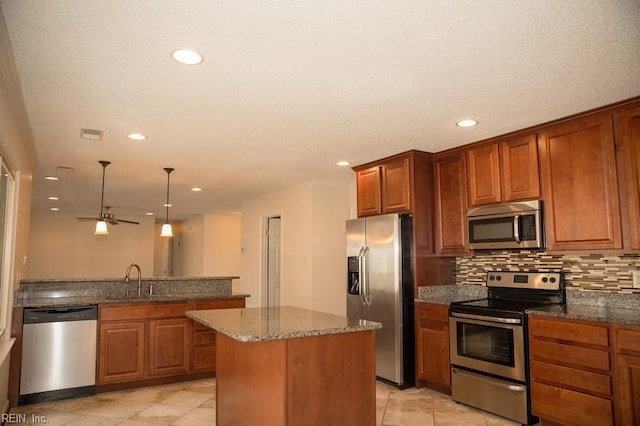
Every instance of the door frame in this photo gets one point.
(264, 285)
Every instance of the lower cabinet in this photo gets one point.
(143, 341)
(121, 355)
(628, 363)
(591, 367)
(432, 346)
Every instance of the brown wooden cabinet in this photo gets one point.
(628, 132)
(121, 352)
(577, 160)
(628, 374)
(571, 365)
(432, 347)
(451, 202)
(503, 170)
(168, 346)
(146, 341)
(385, 186)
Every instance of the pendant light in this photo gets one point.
(101, 224)
(166, 227)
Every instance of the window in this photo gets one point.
(7, 232)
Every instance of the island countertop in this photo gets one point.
(285, 322)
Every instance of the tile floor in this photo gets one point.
(193, 404)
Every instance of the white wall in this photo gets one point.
(63, 247)
(313, 246)
(212, 246)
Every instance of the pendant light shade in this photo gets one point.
(167, 231)
(101, 224)
(101, 228)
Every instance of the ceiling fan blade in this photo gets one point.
(88, 218)
(128, 221)
(112, 221)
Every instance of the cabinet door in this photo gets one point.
(121, 356)
(432, 342)
(577, 160)
(168, 346)
(629, 388)
(396, 186)
(520, 171)
(451, 204)
(368, 184)
(483, 175)
(629, 122)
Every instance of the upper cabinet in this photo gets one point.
(627, 124)
(451, 205)
(503, 170)
(578, 166)
(385, 187)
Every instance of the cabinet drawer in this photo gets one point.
(205, 338)
(204, 358)
(574, 332)
(433, 312)
(569, 407)
(220, 303)
(628, 339)
(570, 355)
(570, 377)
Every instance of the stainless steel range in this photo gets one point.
(488, 342)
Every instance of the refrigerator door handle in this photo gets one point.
(362, 275)
(365, 277)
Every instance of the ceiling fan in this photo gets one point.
(105, 215)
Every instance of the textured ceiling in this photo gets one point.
(287, 88)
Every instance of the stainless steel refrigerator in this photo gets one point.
(380, 288)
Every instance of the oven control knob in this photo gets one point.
(498, 278)
(545, 279)
(492, 277)
(553, 280)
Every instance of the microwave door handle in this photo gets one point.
(516, 228)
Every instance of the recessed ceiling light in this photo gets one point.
(55, 209)
(65, 169)
(343, 163)
(136, 136)
(466, 123)
(187, 56)
(54, 198)
(167, 205)
(51, 178)
(149, 213)
(196, 189)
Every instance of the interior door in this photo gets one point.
(273, 261)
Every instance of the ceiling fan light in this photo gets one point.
(101, 228)
(166, 231)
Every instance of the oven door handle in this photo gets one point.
(487, 319)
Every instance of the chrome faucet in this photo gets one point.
(126, 277)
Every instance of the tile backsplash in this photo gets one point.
(588, 271)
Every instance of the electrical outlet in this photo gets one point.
(636, 279)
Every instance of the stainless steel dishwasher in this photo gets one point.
(58, 353)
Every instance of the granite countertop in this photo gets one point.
(43, 302)
(447, 294)
(607, 314)
(286, 322)
(80, 291)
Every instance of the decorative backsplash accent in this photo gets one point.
(584, 272)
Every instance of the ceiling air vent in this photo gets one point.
(91, 134)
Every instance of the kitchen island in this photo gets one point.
(292, 366)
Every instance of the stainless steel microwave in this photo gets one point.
(506, 226)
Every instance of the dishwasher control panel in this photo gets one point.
(69, 313)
